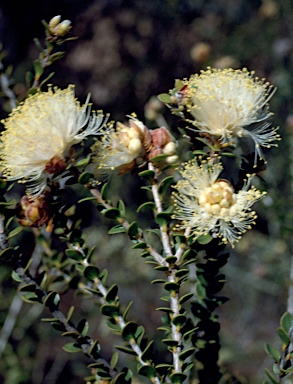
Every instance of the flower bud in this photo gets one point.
(54, 22)
(172, 159)
(63, 28)
(170, 148)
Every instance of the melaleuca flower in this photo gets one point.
(120, 148)
(125, 147)
(39, 133)
(229, 104)
(208, 204)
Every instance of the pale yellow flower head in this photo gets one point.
(228, 104)
(208, 204)
(120, 147)
(39, 133)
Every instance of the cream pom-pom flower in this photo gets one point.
(118, 149)
(207, 204)
(39, 133)
(229, 104)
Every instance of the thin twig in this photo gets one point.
(158, 203)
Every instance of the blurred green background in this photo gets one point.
(127, 52)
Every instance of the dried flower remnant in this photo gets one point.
(39, 133)
(34, 211)
(208, 204)
(224, 103)
(162, 143)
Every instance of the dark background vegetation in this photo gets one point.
(128, 51)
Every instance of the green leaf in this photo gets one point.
(90, 198)
(104, 191)
(30, 297)
(163, 218)
(47, 79)
(129, 330)
(28, 288)
(84, 162)
(110, 310)
(179, 84)
(84, 178)
(132, 230)
(170, 342)
(29, 79)
(148, 205)
(139, 334)
(117, 229)
(111, 294)
(162, 268)
(139, 245)
(83, 327)
(185, 354)
(52, 300)
(179, 320)
(164, 309)
(95, 350)
(171, 287)
(204, 239)
(38, 68)
(199, 152)
(14, 232)
(165, 184)
(114, 360)
(273, 352)
(6, 255)
(158, 281)
(187, 366)
(119, 379)
(125, 313)
(283, 336)
(286, 321)
(111, 213)
(164, 98)
(200, 291)
(16, 277)
(8, 203)
(148, 371)
(70, 334)
(121, 208)
(158, 158)
(186, 297)
(148, 174)
(74, 254)
(103, 276)
(146, 355)
(72, 348)
(69, 313)
(178, 378)
(271, 376)
(91, 273)
(125, 350)
(171, 259)
(182, 272)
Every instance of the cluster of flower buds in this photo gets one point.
(133, 144)
(34, 211)
(59, 28)
(218, 198)
(162, 143)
